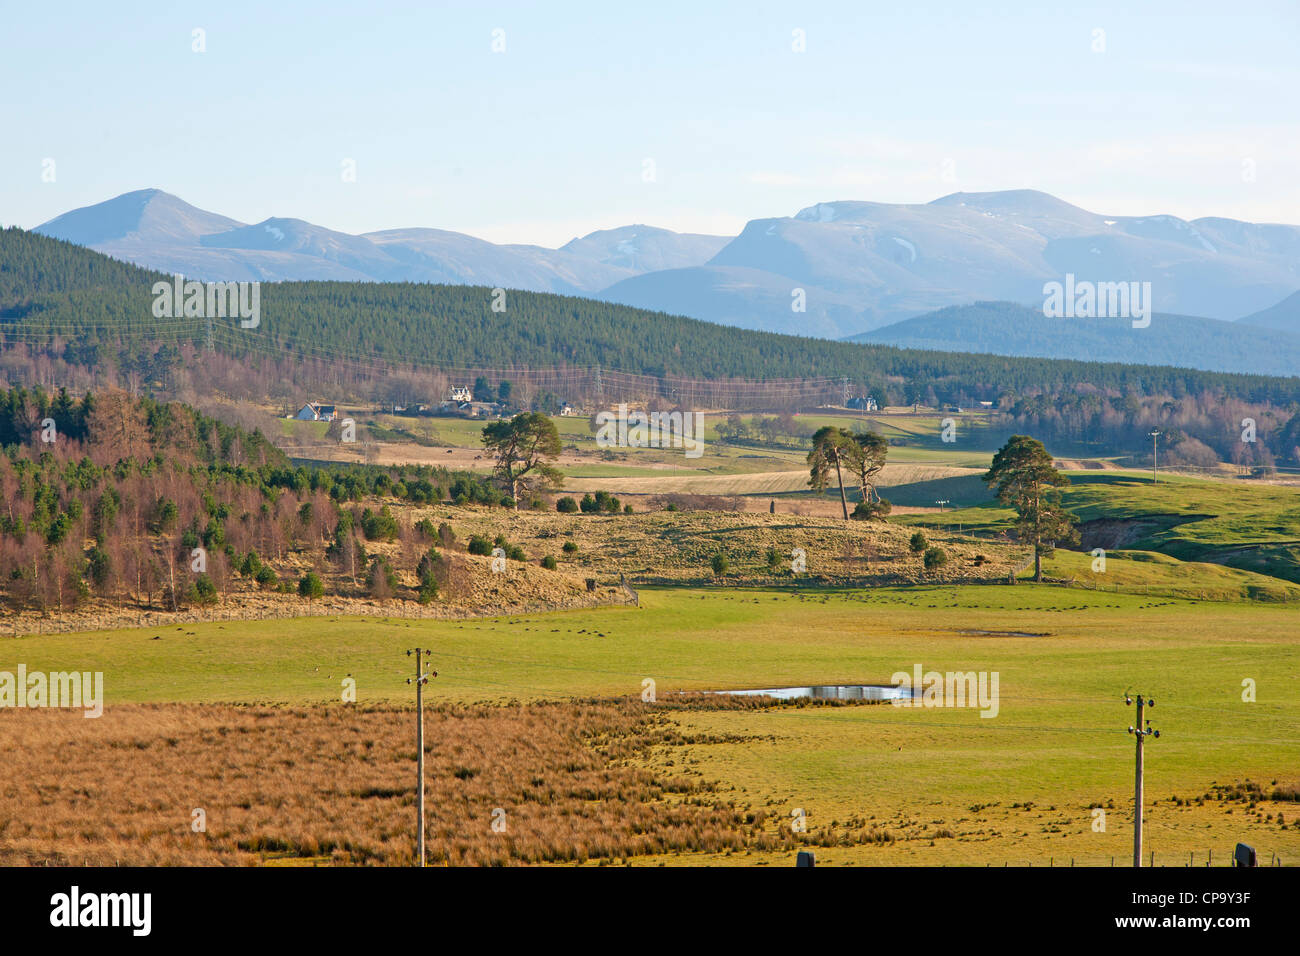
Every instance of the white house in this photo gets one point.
(315, 412)
(461, 393)
(566, 410)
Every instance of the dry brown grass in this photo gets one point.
(649, 546)
(675, 547)
(336, 785)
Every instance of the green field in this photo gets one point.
(1058, 741)
(1245, 525)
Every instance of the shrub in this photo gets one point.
(548, 562)
(424, 528)
(379, 526)
(202, 591)
(720, 564)
(479, 545)
(602, 502)
(515, 553)
(381, 582)
(266, 577)
(918, 542)
(566, 505)
(432, 566)
(872, 510)
(570, 547)
(310, 586)
(250, 565)
(935, 558)
(773, 558)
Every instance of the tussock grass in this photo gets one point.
(336, 784)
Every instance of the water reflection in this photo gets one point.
(827, 692)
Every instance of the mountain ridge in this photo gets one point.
(832, 269)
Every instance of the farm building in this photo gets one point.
(315, 412)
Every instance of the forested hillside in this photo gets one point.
(53, 291)
(70, 316)
(155, 505)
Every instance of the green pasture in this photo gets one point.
(1064, 658)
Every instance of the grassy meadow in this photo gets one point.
(877, 784)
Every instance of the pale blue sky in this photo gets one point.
(1192, 109)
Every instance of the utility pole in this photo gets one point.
(1155, 478)
(422, 675)
(1141, 731)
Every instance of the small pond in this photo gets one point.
(827, 692)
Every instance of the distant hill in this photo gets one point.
(855, 266)
(1284, 316)
(1004, 328)
(57, 295)
(160, 231)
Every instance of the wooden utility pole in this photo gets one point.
(1141, 732)
(422, 675)
(1155, 475)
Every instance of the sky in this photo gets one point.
(538, 122)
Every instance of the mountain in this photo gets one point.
(863, 265)
(832, 270)
(1006, 328)
(436, 255)
(746, 297)
(1285, 315)
(160, 231)
(147, 216)
(645, 248)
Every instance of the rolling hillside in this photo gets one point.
(55, 294)
(1285, 316)
(1004, 328)
(1248, 527)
